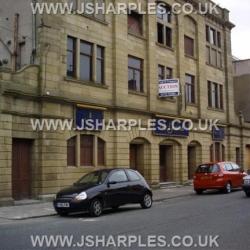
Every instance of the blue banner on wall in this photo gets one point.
(218, 134)
(89, 119)
(171, 127)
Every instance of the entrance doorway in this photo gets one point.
(166, 163)
(191, 161)
(136, 157)
(21, 169)
(194, 158)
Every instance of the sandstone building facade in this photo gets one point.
(108, 66)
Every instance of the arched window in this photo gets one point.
(87, 150)
(71, 151)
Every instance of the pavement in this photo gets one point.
(43, 209)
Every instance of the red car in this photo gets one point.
(218, 175)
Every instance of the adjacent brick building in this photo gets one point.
(108, 66)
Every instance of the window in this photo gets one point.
(132, 175)
(190, 89)
(71, 151)
(86, 53)
(235, 167)
(228, 167)
(168, 41)
(71, 57)
(164, 12)
(214, 43)
(161, 72)
(215, 95)
(87, 150)
(189, 46)
(135, 23)
(100, 65)
(118, 176)
(208, 168)
(164, 73)
(164, 30)
(101, 152)
(135, 74)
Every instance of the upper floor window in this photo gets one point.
(135, 25)
(190, 89)
(71, 56)
(86, 54)
(164, 28)
(90, 58)
(135, 74)
(213, 37)
(164, 12)
(214, 51)
(189, 46)
(215, 95)
(164, 72)
(100, 64)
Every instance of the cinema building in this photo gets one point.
(109, 67)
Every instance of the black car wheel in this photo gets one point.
(96, 208)
(199, 191)
(147, 201)
(228, 188)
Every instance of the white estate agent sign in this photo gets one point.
(169, 87)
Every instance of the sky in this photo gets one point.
(240, 16)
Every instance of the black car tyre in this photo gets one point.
(147, 201)
(247, 194)
(228, 188)
(199, 191)
(96, 208)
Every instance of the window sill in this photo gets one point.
(191, 57)
(132, 92)
(216, 109)
(189, 104)
(137, 36)
(93, 18)
(215, 67)
(167, 99)
(164, 46)
(87, 83)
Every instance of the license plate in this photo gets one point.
(65, 204)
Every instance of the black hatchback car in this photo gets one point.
(101, 189)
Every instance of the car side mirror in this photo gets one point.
(111, 183)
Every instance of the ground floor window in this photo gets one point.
(217, 152)
(85, 151)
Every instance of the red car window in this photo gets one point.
(208, 168)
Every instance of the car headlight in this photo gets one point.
(246, 181)
(82, 196)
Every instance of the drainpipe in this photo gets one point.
(241, 120)
(15, 39)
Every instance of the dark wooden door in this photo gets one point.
(21, 169)
(133, 156)
(163, 167)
